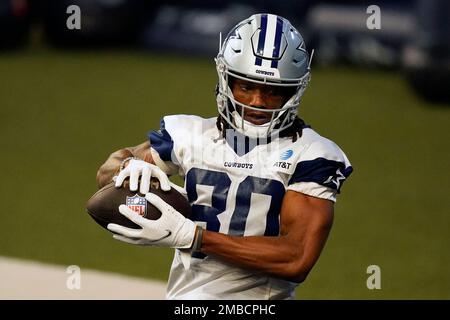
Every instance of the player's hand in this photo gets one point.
(172, 229)
(136, 168)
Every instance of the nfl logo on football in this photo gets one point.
(137, 204)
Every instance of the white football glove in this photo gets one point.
(172, 229)
(136, 168)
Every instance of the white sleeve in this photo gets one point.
(170, 142)
(314, 189)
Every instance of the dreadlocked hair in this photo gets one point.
(294, 131)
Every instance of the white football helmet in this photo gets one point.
(266, 49)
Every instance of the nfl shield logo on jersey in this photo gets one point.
(137, 204)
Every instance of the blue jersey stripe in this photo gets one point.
(261, 39)
(277, 45)
(162, 142)
(321, 171)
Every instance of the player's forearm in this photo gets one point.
(110, 168)
(277, 256)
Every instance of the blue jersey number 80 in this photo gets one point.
(221, 183)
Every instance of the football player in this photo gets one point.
(262, 183)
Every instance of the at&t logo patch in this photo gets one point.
(286, 154)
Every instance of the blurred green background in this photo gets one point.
(62, 113)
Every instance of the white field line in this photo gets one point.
(22, 279)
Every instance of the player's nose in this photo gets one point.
(257, 99)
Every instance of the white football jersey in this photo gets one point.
(236, 186)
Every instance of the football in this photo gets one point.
(103, 206)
